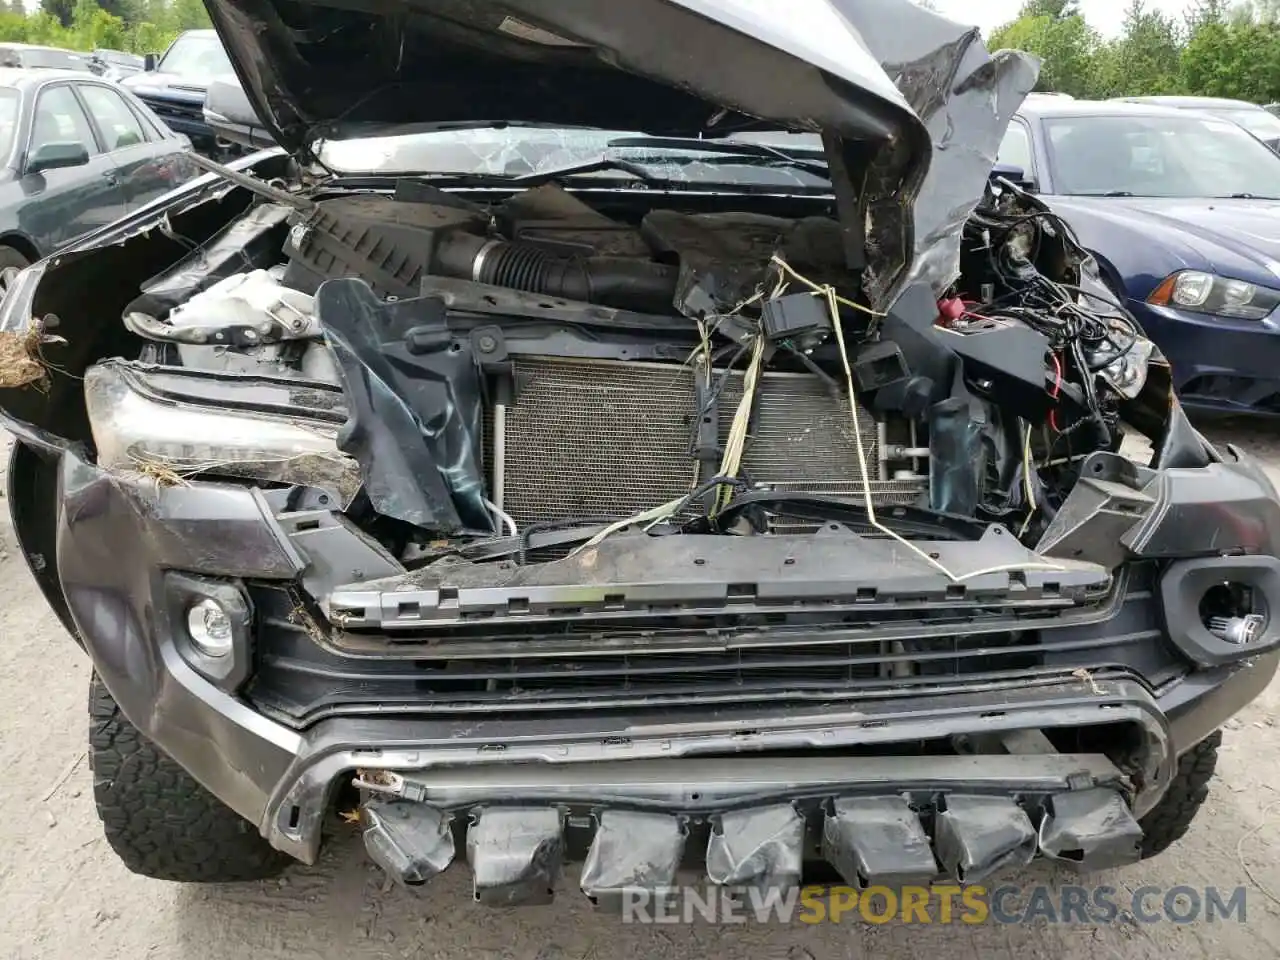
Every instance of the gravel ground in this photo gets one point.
(64, 895)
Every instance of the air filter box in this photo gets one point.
(385, 241)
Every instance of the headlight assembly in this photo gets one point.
(1202, 292)
(136, 425)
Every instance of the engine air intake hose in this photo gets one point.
(627, 284)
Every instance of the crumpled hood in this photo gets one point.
(911, 106)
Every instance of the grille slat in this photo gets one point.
(300, 680)
(588, 438)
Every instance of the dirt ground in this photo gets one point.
(64, 895)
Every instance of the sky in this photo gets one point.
(1104, 15)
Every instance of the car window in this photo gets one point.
(10, 101)
(55, 59)
(1159, 156)
(197, 55)
(1015, 149)
(120, 128)
(1258, 122)
(59, 119)
(154, 130)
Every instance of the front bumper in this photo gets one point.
(118, 536)
(1220, 365)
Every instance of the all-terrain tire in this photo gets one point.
(158, 819)
(1166, 824)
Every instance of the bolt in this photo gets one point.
(487, 343)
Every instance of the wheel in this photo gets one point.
(11, 263)
(158, 819)
(1166, 824)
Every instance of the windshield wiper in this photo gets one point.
(814, 161)
(658, 151)
(1246, 196)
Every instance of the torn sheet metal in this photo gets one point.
(414, 410)
(762, 847)
(516, 854)
(246, 243)
(916, 95)
(632, 851)
(412, 842)
(877, 841)
(981, 836)
(1090, 830)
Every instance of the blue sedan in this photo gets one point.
(1182, 211)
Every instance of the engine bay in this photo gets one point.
(509, 377)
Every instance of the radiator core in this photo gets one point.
(592, 438)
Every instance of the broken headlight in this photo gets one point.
(1208, 293)
(136, 426)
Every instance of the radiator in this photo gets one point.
(591, 438)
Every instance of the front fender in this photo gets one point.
(33, 508)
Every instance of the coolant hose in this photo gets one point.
(627, 284)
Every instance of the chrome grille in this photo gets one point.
(607, 439)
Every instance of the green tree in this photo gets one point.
(147, 37)
(59, 9)
(1053, 9)
(1065, 46)
(13, 26)
(1238, 57)
(189, 14)
(1146, 59)
(92, 27)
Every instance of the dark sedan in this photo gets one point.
(76, 153)
(1183, 213)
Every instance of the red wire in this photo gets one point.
(1057, 387)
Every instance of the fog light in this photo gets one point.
(1244, 629)
(210, 628)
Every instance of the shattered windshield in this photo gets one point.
(515, 151)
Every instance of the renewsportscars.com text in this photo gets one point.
(940, 905)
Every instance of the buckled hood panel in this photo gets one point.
(910, 105)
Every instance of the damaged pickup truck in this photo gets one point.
(718, 467)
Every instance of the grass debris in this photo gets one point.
(20, 363)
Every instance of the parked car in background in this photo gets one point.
(231, 116)
(29, 56)
(115, 64)
(175, 89)
(1180, 209)
(76, 153)
(1257, 120)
